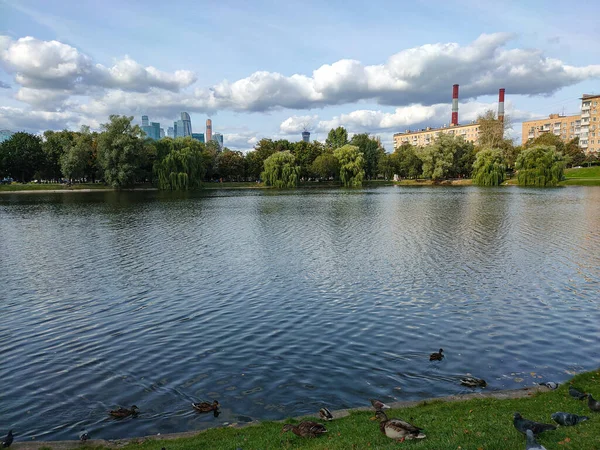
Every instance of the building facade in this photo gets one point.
(218, 137)
(306, 136)
(151, 130)
(5, 135)
(171, 132)
(589, 139)
(186, 125)
(565, 127)
(198, 136)
(208, 130)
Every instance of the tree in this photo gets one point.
(336, 138)
(183, 168)
(21, 156)
(540, 166)
(121, 151)
(75, 160)
(253, 164)
(387, 165)
(231, 164)
(281, 170)
(371, 150)
(408, 164)
(447, 156)
(351, 165)
(55, 145)
(489, 168)
(326, 166)
(574, 154)
(306, 153)
(491, 130)
(547, 139)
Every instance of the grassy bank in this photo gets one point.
(420, 182)
(482, 423)
(585, 176)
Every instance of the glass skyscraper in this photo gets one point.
(153, 130)
(198, 137)
(218, 137)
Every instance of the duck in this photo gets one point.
(124, 412)
(522, 425)
(325, 414)
(473, 382)
(576, 393)
(307, 429)
(206, 406)
(438, 356)
(378, 405)
(8, 440)
(84, 435)
(593, 404)
(397, 429)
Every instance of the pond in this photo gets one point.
(277, 303)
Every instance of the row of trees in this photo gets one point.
(121, 156)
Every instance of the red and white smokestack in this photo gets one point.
(455, 104)
(501, 105)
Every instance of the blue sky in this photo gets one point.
(268, 68)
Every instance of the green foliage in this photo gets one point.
(387, 165)
(281, 170)
(351, 165)
(573, 153)
(326, 166)
(336, 138)
(22, 157)
(491, 130)
(231, 165)
(306, 153)
(75, 160)
(447, 156)
(489, 168)
(540, 166)
(121, 151)
(372, 151)
(55, 145)
(408, 163)
(547, 139)
(184, 167)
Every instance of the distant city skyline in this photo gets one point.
(66, 64)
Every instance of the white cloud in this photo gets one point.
(241, 141)
(38, 121)
(4, 85)
(297, 124)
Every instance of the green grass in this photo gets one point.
(472, 424)
(584, 172)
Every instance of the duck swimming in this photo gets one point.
(124, 412)
(206, 406)
(438, 356)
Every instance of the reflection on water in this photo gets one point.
(278, 303)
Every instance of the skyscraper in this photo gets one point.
(198, 136)
(186, 122)
(151, 130)
(162, 133)
(218, 137)
(175, 135)
(144, 121)
(306, 136)
(171, 132)
(208, 130)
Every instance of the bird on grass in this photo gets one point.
(307, 429)
(567, 419)
(473, 382)
(206, 406)
(438, 356)
(532, 444)
(84, 436)
(378, 405)
(325, 414)
(397, 429)
(550, 384)
(593, 404)
(576, 393)
(124, 412)
(8, 440)
(522, 425)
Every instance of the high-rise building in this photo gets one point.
(306, 136)
(198, 136)
(152, 130)
(175, 135)
(186, 122)
(162, 133)
(171, 132)
(144, 121)
(5, 135)
(565, 127)
(589, 139)
(218, 137)
(208, 130)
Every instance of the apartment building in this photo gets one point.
(565, 127)
(589, 139)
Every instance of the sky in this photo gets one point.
(270, 68)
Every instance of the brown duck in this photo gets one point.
(124, 412)
(206, 406)
(307, 429)
(438, 356)
(397, 429)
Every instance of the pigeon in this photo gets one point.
(84, 436)
(522, 425)
(532, 444)
(576, 393)
(325, 414)
(593, 404)
(8, 440)
(379, 405)
(567, 419)
(550, 384)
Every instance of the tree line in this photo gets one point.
(121, 156)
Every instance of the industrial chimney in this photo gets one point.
(501, 105)
(454, 121)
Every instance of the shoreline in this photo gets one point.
(337, 414)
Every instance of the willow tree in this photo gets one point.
(352, 165)
(180, 170)
(281, 170)
(540, 166)
(489, 168)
